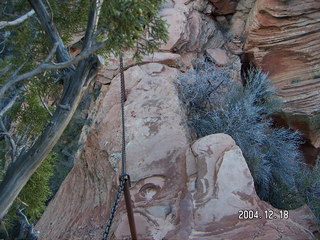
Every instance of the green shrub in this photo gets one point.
(35, 194)
(245, 114)
(309, 187)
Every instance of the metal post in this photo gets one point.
(127, 198)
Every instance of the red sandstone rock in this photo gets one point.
(155, 136)
(283, 39)
(224, 7)
(178, 192)
(218, 56)
(189, 30)
(223, 187)
(106, 74)
(238, 21)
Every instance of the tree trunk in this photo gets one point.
(26, 164)
(20, 171)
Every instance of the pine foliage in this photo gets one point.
(36, 192)
(125, 21)
(124, 24)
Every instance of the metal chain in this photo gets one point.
(114, 208)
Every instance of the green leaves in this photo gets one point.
(31, 115)
(309, 187)
(70, 17)
(132, 24)
(36, 192)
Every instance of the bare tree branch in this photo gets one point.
(12, 142)
(45, 106)
(26, 163)
(46, 21)
(9, 105)
(5, 69)
(16, 71)
(17, 21)
(23, 138)
(92, 22)
(49, 66)
(51, 53)
(4, 46)
(69, 156)
(62, 54)
(15, 79)
(21, 77)
(80, 78)
(26, 229)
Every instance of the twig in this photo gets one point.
(5, 69)
(45, 106)
(26, 229)
(4, 46)
(23, 138)
(4, 229)
(92, 22)
(12, 142)
(71, 3)
(50, 10)
(65, 106)
(67, 154)
(49, 66)
(17, 21)
(9, 105)
(17, 78)
(15, 73)
(46, 20)
(22, 202)
(52, 52)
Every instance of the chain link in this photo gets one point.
(114, 207)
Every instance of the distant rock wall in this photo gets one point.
(283, 38)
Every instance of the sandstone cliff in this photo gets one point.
(283, 39)
(180, 189)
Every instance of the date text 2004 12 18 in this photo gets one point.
(267, 214)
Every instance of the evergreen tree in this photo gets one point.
(35, 67)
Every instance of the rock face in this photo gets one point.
(200, 192)
(180, 189)
(240, 17)
(208, 203)
(283, 39)
(224, 7)
(224, 190)
(156, 142)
